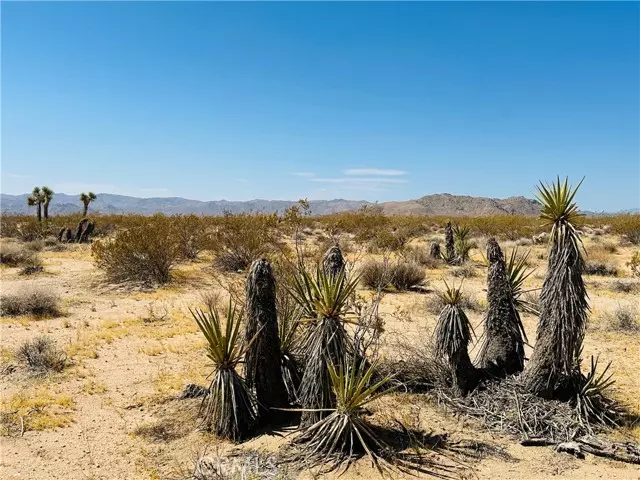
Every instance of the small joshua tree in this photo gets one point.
(564, 306)
(452, 337)
(502, 351)
(230, 409)
(263, 357)
(86, 199)
(47, 196)
(434, 250)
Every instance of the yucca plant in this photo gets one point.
(517, 273)
(291, 364)
(324, 300)
(564, 306)
(36, 199)
(339, 438)
(462, 247)
(47, 196)
(449, 244)
(452, 336)
(263, 356)
(502, 351)
(333, 260)
(86, 199)
(230, 409)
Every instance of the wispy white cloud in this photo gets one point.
(355, 180)
(304, 174)
(16, 175)
(374, 171)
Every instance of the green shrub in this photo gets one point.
(376, 275)
(144, 253)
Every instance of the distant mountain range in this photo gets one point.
(442, 204)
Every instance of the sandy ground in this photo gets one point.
(133, 351)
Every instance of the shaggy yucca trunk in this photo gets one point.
(333, 261)
(564, 309)
(80, 229)
(263, 357)
(326, 345)
(502, 352)
(86, 232)
(434, 250)
(449, 243)
(68, 235)
(39, 211)
(61, 234)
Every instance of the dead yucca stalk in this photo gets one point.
(564, 306)
(324, 300)
(342, 436)
(452, 336)
(502, 351)
(230, 410)
(263, 356)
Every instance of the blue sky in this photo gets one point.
(376, 101)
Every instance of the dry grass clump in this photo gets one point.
(376, 275)
(15, 255)
(464, 271)
(145, 253)
(623, 286)
(41, 355)
(32, 301)
(406, 275)
(593, 267)
(421, 257)
(623, 319)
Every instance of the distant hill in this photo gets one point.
(442, 204)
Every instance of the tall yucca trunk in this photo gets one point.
(333, 261)
(502, 352)
(564, 309)
(39, 211)
(434, 250)
(80, 229)
(46, 210)
(85, 207)
(263, 357)
(449, 243)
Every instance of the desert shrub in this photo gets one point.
(421, 256)
(190, 234)
(34, 301)
(622, 286)
(464, 271)
(35, 245)
(593, 267)
(434, 304)
(13, 255)
(405, 275)
(41, 355)
(240, 239)
(610, 247)
(33, 264)
(524, 242)
(623, 319)
(376, 275)
(144, 253)
(634, 264)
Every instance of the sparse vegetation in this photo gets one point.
(31, 301)
(406, 275)
(599, 268)
(624, 318)
(41, 355)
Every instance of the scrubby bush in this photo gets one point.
(143, 253)
(422, 257)
(623, 319)
(435, 304)
(622, 286)
(240, 239)
(634, 264)
(41, 355)
(376, 275)
(593, 267)
(464, 271)
(405, 275)
(34, 301)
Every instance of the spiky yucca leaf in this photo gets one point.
(230, 410)
(289, 322)
(517, 273)
(559, 209)
(322, 295)
(338, 438)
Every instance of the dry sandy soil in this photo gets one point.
(113, 414)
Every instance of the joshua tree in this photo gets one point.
(47, 196)
(263, 357)
(86, 199)
(449, 243)
(35, 200)
(502, 351)
(230, 409)
(324, 301)
(564, 306)
(80, 229)
(333, 261)
(451, 338)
